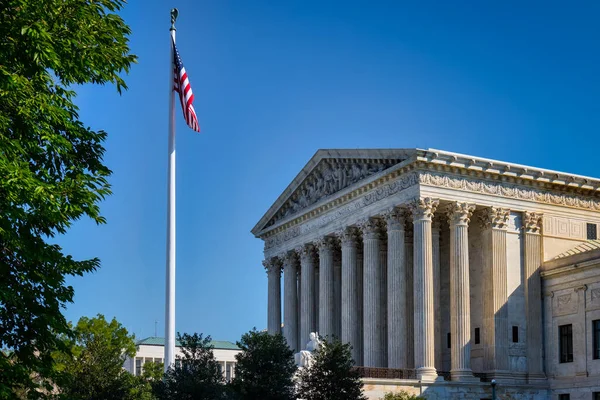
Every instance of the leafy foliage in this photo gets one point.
(51, 169)
(92, 368)
(264, 369)
(196, 374)
(331, 376)
(401, 395)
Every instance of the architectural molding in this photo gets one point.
(494, 217)
(423, 208)
(532, 222)
(509, 190)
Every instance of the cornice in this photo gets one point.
(509, 170)
(458, 172)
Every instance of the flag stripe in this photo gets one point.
(186, 96)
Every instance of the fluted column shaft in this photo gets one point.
(290, 300)
(532, 226)
(459, 215)
(424, 316)
(372, 312)
(273, 267)
(494, 222)
(350, 285)
(383, 294)
(396, 290)
(326, 292)
(410, 315)
(307, 299)
(437, 290)
(337, 293)
(360, 259)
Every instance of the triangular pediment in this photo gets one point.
(327, 173)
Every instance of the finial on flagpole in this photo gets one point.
(174, 14)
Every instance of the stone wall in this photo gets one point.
(375, 389)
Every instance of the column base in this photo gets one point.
(463, 375)
(428, 374)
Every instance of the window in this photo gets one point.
(448, 340)
(592, 231)
(477, 337)
(228, 372)
(515, 334)
(138, 366)
(596, 339)
(564, 396)
(565, 342)
(596, 396)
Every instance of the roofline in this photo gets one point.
(309, 167)
(569, 263)
(434, 156)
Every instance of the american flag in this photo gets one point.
(181, 85)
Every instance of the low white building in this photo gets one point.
(152, 349)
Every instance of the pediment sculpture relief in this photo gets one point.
(329, 177)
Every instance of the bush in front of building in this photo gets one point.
(401, 395)
(331, 376)
(195, 375)
(264, 369)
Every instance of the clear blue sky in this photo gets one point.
(275, 81)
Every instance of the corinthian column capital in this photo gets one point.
(370, 227)
(272, 265)
(459, 213)
(306, 251)
(532, 222)
(289, 257)
(347, 236)
(423, 208)
(394, 219)
(324, 243)
(494, 217)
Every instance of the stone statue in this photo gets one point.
(305, 358)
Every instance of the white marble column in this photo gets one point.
(494, 223)
(273, 267)
(360, 259)
(307, 299)
(383, 291)
(424, 317)
(337, 291)
(326, 294)
(459, 215)
(396, 290)
(372, 312)
(437, 290)
(410, 315)
(532, 227)
(290, 299)
(350, 286)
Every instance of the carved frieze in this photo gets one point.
(389, 189)
(508, 190)
(328, 177)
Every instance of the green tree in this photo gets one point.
(92, 368)
(195, 375)
(51, 169)
(331, 376)
(265, 368)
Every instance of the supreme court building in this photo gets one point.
(443, 271)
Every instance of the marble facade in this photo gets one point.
(423, 260)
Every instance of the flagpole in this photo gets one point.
(170, 275)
